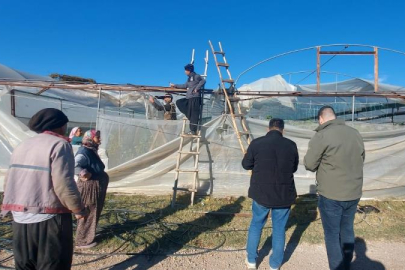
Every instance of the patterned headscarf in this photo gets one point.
(88, 139)
(73, 132)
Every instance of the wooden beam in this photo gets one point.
(376, 69)
(43, 90)
(140, 88)
(347, 53)
(93, 87)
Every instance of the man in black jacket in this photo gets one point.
(273, 160)
(190, 106)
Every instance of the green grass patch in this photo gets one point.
(136, 223)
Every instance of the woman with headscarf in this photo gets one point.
(76, 136)
(92, 184)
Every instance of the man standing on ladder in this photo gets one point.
(190, 106)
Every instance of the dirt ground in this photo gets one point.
(132, 224)
(370, 256)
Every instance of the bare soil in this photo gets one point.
(373, 255)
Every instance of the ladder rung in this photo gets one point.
(187, 171)
(190, 136)
(188, 153)
(238, 115)
(223, 64)
(185, 189)
(234, 99)
(228, 81)
(217, 52)
(244, 132)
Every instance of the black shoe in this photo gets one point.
(192, 133)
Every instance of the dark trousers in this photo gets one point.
(46, 245)
(338, 222)
(191, 109)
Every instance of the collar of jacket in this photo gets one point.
(274, 133)
(336, 122)
(191, 74)
(56, 135)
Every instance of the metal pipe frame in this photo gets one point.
(318, 63)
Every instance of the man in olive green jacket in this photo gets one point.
(336, 153)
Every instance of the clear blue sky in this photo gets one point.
(148, 42)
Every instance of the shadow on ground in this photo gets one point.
(303, 213)
(361, 260)
(180, 238)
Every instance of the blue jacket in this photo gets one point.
(87, 159)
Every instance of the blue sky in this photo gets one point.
(148, 42)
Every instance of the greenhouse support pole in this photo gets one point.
(12, 100)
(354, 99)
(318, 69)
(119, 105)
(98, 106)
(376, 80)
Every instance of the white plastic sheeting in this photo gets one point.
(220, 170)
(142, 156)
(352, 85)
(13, 74)
(273, 84)
(305, 108)
(142, 152)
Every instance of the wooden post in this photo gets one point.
(375, 69)
(206, 64)
(192, 57)
(318, 69)
(98, 106)
(12, 100)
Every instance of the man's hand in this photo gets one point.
(83, 214)
(80, 216)
(85, 177)
(151, 99)
(195, 91)
(171, 84)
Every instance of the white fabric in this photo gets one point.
(29, 218)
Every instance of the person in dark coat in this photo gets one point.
(190, 106)
(92, 185)
(273, 160)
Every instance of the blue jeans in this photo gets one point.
(338, 222)
(279, 217)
